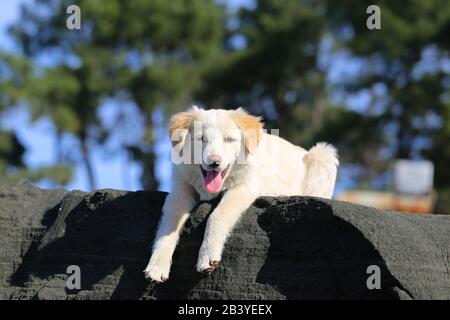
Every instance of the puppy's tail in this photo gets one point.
(321, 168)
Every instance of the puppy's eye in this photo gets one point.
(229, 139)
(202, 138)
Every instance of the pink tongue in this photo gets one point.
(213, 181)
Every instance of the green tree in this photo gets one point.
(151, 53)
(14, 73)
(278, 74)
(270, 58)
(406, 57)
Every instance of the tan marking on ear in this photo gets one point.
(180, 121)
(251, 128)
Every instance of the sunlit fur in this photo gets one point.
(272, 167)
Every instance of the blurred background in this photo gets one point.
(88, 109)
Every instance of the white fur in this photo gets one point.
(276, 168)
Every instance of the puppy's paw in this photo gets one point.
(157, 272)
(208, 261)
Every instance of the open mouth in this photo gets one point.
(214, 179)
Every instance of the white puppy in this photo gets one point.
(228, 150)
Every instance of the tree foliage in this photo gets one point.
(274, 58)
(151, 53)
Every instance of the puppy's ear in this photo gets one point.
(180, 123)
(251, 128)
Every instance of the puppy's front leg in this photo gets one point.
(219, 226)
(176, 210)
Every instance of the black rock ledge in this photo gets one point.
(283, 248)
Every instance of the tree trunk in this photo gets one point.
(58, 154)
(88, 164)
(149, 181)
(403, 139)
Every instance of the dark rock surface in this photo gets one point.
(283, 248)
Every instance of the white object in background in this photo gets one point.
(413, 177)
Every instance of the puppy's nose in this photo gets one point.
(214, 161)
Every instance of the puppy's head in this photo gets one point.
(215, 140)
